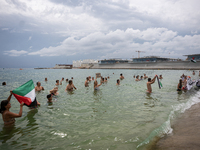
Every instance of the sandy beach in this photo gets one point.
(186, 132)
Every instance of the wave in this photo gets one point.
(165, 128)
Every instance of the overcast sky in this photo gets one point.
(42, 33)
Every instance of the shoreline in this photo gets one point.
(185, 135)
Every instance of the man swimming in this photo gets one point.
(118, 82)
(70, 86)
(149, 89)
(87, 82)
(39, 87)
(121, 76)
(137, 78)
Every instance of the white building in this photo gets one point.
(80, 63)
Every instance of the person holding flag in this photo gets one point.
(7, 116)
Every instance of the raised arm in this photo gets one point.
(8, 99)
(153, 80)
(13, 115)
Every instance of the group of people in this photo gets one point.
(9, 117)
(182, 85)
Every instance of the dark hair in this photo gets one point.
(70, 81)
(117, 80)
(180, 82)
(48, 96)
(67, 79)
(37, 82)
(3, 83)
(57, 81)
(121, 74)
(149, 79)
(3, 104)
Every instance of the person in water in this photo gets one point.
(7, 116)
(45, 79)
(39, 87)
(54, 91)
(141, 77)
(49, 97)
(105, 79)
(70, 86)
(87, 82)
(193, 73)
(118, 82)
(145, 77)
(137, 78)
(149, 89)
(121, 76)
(57, 82)
(184, 83)
(96, 85)
(61, 81)
(3, 83)
(179, 87)
(161, 77)
(67, 80)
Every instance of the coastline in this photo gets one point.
(186, 132)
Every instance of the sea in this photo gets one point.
(112, 118)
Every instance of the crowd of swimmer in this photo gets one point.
(182, 85)
(9, 117)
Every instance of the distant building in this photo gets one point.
(112, 61)
(83, 63)
(195, 56)
(62, 66)
(152, 59)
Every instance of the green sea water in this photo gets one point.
(113, 118)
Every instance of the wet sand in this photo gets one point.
(186, 132)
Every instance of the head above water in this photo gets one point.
(3, 83)
(149, 79)
(70, 81)
(4, 103)
(38, 83)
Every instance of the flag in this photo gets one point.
(194, 61)
(26, 93)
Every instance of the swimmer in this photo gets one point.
(105, 80)
(72, 78)
(39, 87)
(49, 97)
(96, 85)
(161, 77)
(57, 82)
(70, 86)
(109, 77)
(54, 91)
(61, 81)
(184, 83)
(45, 79)
(145, 77)
(67, 80)
(3, 83)
(121, 76)
(179, 87)
(92, 78)
(134, 76)
(87, 82)
(102, 80)
(149, 89)
(141, 78)
(193, 73)
(137, 78)
(118, 82)
(7, 116)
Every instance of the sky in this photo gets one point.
(42, 33)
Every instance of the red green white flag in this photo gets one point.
(26, 93)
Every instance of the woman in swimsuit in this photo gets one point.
(9, 117)
(179, 87)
